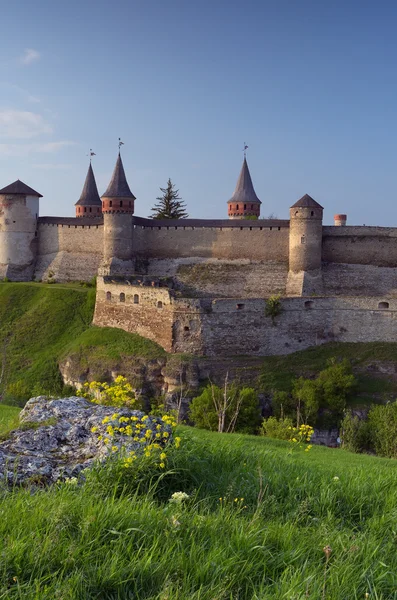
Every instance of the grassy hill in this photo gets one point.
(254, 528)
(41, 323)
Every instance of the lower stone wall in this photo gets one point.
(359, 280)
(232, 327)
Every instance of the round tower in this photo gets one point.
(244, 203)
(19, 212)
(305, 246)
(89, 204)
(118, 208)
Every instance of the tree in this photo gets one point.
(169, 205)
(226, 409)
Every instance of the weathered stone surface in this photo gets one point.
(60, 442)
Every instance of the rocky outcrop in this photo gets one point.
(56, 440)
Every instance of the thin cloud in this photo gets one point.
(29, 56)
(27, 95)
(52, 166)
(34, 148)
(20, 124)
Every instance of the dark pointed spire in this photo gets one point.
(89, 195)
(118, 186)
(244, 191)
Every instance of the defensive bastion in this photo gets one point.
(200, 286)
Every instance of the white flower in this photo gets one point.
(179, 497)
(336, 478)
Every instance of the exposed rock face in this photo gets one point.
(60, 442)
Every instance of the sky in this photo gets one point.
(309, 86)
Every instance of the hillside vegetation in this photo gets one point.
(39, 324)
(256, 523)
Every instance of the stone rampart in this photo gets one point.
(230, 327)
(69, 249)
(262, 240)
(376, 246)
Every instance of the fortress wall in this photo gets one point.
(303, 323)
(203, 277)
(68, 251)
(266, 243)
(375, 246)
(359, 280)
(230, 327)
(139, 312)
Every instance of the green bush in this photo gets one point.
(279, 429)
(356, 433)
(273, 308)
(241, 408)
(382, 421)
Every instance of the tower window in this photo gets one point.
(159, 304)
(108, 296)
(90, 209)
(236, 206)
(136, 299)
(122, 297)
(303, 240)
(129, 204)
(312, 213)
(111, 203)
(383, 305)
(121, 204)
(245, 206)
(85, 209)
(252, 206)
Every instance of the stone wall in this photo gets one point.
(256, 242)
(375, 246)
(68, 249)
(231, 327)
(359, 280)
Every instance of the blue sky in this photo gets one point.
(310, 86)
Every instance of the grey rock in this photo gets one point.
(57, 441)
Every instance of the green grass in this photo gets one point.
(279, 371)
(9, 418)
(40, 324)
(110, 540)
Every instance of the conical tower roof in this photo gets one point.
(118, 186)
(244, 191)
(89, 195)
(19, 189)
(306, 202)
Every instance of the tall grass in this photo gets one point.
(109, 539)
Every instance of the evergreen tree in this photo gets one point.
(169, 204)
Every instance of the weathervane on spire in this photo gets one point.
(245, 150)
(91, 154)
(120, 144)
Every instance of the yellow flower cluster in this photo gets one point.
(139, 430)
(117, 393)
(301, 435)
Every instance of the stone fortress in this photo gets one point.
(201, 286)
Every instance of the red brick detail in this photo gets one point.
(239, 209)
(120, 205)
(88, 211)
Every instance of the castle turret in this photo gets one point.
(89, 203)
(244, 202)
(117, 209)
(305, 243)
(19, 211)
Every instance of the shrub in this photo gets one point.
(280, 429)
(273, 308)
(356, 433)
(226, 410)
(382, 421)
